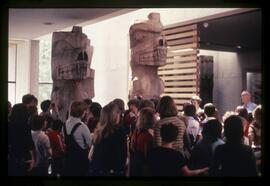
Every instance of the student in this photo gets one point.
(110, 144)
(165, 161)
(94, 113)
(142, 141)
(131, 116)
(203, 152)
(78, 141)
(58, 147)
(21, 147)
(233, 158)
(42, 146)
(169, 114)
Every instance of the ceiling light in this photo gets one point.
(238, 46)
(205, 25)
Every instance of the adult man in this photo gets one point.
(246, 99)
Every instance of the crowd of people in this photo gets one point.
(151, 138)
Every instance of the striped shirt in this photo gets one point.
(178, 144)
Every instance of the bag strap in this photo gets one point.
(75, 128)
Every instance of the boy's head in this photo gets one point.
(45, 105)
(168, 133)
(37, 123)
(57, 124)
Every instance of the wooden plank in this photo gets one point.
(173, 95)
(170, 30)
(181, 101)
(180, 77)
(179, 107)
(189, 58)
(180, 89)
(179, 71)
(183, 41)
(182, 35)
(179, 47)
(180, 83)
(179, 65)
(180, 53)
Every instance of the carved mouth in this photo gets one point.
(77, 70)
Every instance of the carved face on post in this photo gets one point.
(148, 52)
(73, 79)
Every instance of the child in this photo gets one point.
(57, 145)
(42, 146)
(165, 161)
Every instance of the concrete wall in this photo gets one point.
(229, 76)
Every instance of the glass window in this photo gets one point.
(45, 79)
(45, 61)
(44, 92)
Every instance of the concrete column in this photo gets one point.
(34, 68)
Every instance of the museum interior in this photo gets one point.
(135, 92)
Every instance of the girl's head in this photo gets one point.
(146, 118)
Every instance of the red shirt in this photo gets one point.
(57, 143)
(142, 141)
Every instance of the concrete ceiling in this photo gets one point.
(33, 23)
(243, 30)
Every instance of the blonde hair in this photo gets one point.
(109, 116)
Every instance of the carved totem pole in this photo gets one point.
(73, 79)
(148, 52)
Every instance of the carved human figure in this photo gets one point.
(148, 52)
(73, 79)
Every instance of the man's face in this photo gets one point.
(245, 98)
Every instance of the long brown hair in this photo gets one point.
(109, 116)
(167, 107)
(146, 118)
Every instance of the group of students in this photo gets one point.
(151, 138)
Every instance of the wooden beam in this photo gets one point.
(179, 47)
(173, 95)
(180, 83)
(170, 30)
(180, 59)
(183, 41)
(182, 35)
(180, 89)
(179, 77)
(180, 71)
(180, 101)
(180, 53)
(179, 65)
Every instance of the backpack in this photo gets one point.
(72, 147)
(76, 158)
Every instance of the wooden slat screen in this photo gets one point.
(181, 72)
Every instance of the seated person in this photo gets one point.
(165, 161)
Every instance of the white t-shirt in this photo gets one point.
(193, 127)
(42, 145)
